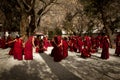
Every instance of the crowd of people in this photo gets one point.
(85, 46)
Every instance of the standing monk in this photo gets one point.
(80, 44)
(28, 48)
(17, 49)
(37, 44)
(65, 47)
(105, 48)
(117, 51)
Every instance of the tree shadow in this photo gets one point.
(61, 72)
(22, 72)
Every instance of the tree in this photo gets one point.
(45, 7)
(19, 14)
(105, 10)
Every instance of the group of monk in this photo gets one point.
(85, 45)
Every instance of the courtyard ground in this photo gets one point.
(42, 67)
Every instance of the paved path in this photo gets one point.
(72, 68)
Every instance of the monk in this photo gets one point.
(117, 51)
(37, 44)
(70, 43)
(65, 47)
(45, 43)
(80, 44)
(105, 47)
(3, 41)
(28, 47)
(75, 45)
(17, 49)
(85, 52)
(57, 51)
(0, 42)
(9, 38)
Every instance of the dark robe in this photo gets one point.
(94, 45)
(37, 44)
(9, 38)
(117, 51)
(75, 45)
(98, 41)
(105, 48)
(65, 48)
(70, 43)
(3, 41)
(45, 43)
(57, 50)
(85, 52)
(0, 43)
(12, 49)
(80, 44)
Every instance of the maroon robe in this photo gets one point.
(3, 41)
(65, 48)
(9, 38)
(117, 51)
(37, 44)
(75, 45)
(85, 52)
(94, 45)
(105, 48)
(57, 50)
(0, 43)
(98, 41)
(28, 50)
(101, 41)
(70, 43)
(45, 42)
(88, 42)
(80, 44)
(12, 49)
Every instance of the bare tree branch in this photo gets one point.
(45, 9)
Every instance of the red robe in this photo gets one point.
(85, 53)
(18, 48)
(70, 43)
(0, 43)
(88, 42)
(45, 42)
(57, 50)
(98, 41)
(8, 40)
(117, 51)
(80, 44)
(3, 41)
(65, 48)
(105, 48)
(75, 45)
(94, 45)
(101, 42)
(28, 55)
(11, 50)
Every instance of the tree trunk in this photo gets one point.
(24, 24)
(107, 27)
(32, 22)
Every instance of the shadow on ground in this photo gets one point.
(61, 72)
(27, 71)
